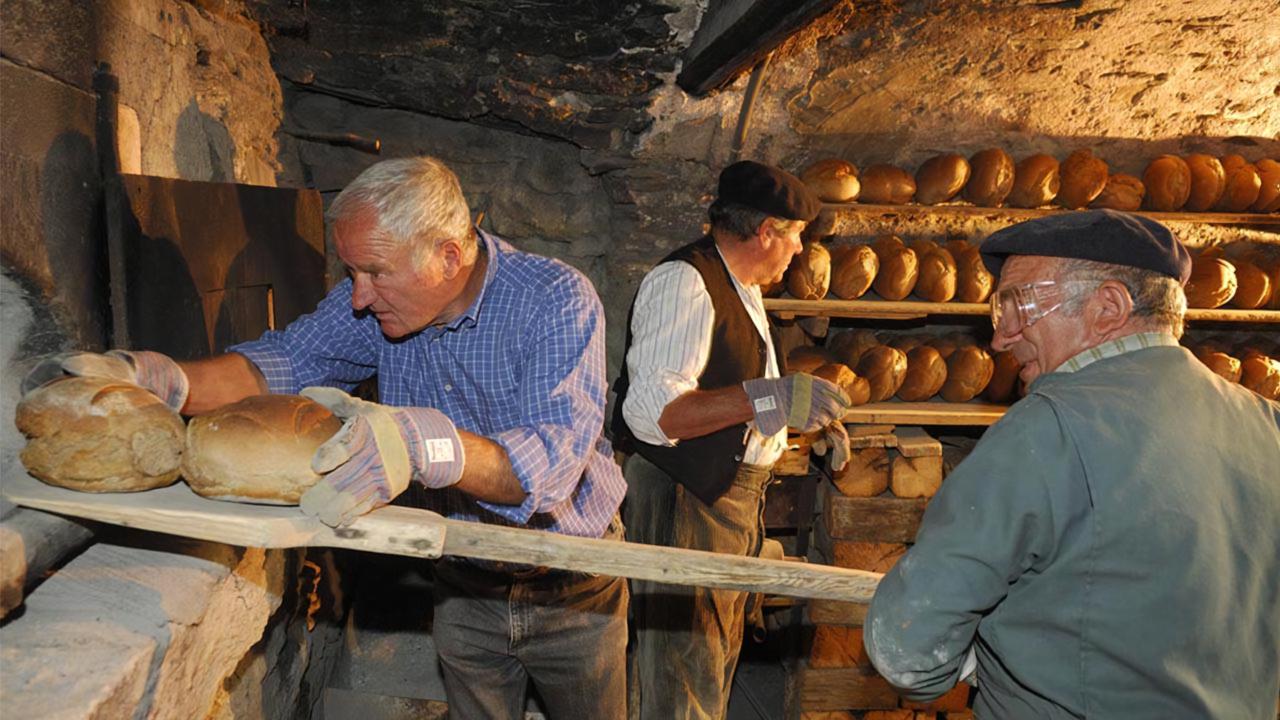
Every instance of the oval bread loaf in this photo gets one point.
(990, 178)
(1035, 181)
(887, 185)
(1261, 374)
(969, 369)
(1208, 181)
(941, 178)
(810, 273)
(1082, 177)
(899, 269)
(849, 346)
(1122, 192)
(97, 434)
(853, 269)
(1003, 386)
(885, 368)
(1219, 362)
(936, 277)
(839, 374)
(1242, 185)
(832, 180)
(807, 358)
(1168, 183)
(1212, 283)
(1253, 286)
(258, 449)
(973, 281)
(1269, 193)
(926, 372)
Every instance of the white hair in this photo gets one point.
(415, 201)
(1157, 298)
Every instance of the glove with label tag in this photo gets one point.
(377, 452)
(152, 371)
(800, 401)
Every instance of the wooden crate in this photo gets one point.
(877, 519)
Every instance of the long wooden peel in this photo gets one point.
(420, 533)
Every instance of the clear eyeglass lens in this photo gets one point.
(1022, 306)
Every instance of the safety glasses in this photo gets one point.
(1016, 308)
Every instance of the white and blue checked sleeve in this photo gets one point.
(562, 394)
(330, 346)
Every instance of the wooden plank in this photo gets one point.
(837, 646)
(789, 308)
(835, 612)
(866, 474)
(926, 413)
(877, 519)
(845, 688)
(915, 442)
(734, 36)
(418, 533)
(916, 477)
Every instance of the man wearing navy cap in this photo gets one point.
(704, 414)
(1109, 549)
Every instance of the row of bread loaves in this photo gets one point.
(892, 268)
(990, 178)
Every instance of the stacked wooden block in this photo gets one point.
(870, 514)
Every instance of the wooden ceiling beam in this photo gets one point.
(736, 34)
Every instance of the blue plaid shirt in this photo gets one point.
(523, 366)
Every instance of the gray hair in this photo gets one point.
(739, 220)
(415, 201)
(1157, 298)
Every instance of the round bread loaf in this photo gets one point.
(849, 346)
(258, 449)
(973, 281)
(1253, 286)
(936, 280)
(885, 368)
(941, 178)
(1272, 269)
(97, 434)
(1219, 362)
(1122, 192)
(887, 185)
(969, 369)
(839, 374)
(832, 180)
(1213, 282)
(1035, 182)
(1242, 185)
(990, 178)
(853, 269)
(1269, 194)
(899, 270)
(1208, 181)
(926, 372)
(1168, 183)
(810, 273)
(807, 358)
(1082, 178)
(1003, 386)
(1261, 374)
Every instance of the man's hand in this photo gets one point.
(379, 449)
(799, 401)
(836, 439)
(152, 371)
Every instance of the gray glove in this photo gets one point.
(836, 439)
(152, 371)
(379, 449)
(800, 401)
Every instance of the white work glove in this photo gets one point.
(799, 401)
(379, 449)
(152, 371)
(836, 439)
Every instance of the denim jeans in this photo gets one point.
(687, 638)
(566, 632)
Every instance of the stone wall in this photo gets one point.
(584, 94)
(138, 625)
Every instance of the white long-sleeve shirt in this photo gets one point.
(670, 344)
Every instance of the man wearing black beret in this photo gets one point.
(1109, 549)
(704, 413)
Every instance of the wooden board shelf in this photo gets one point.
(876, 309)
(1019, 214)
(933, 412)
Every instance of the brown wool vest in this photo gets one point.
(705, 465)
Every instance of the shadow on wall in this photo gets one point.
(71, 229)
(202, 148)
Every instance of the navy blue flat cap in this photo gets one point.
(1106, 236)
(768, 190)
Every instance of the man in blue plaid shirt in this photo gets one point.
(491, 376)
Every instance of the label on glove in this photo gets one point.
(439, 450)
(765, 404)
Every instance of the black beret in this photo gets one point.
(768, 190)
(1107, 236)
